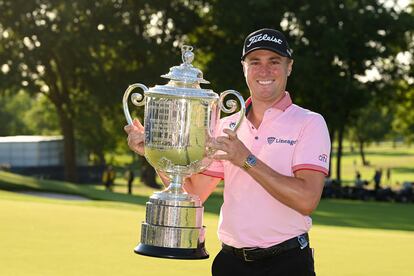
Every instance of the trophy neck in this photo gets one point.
(176, 185)
(175, 194)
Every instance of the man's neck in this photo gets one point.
(259, 108)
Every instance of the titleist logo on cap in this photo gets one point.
(261, 37)
(266, 39)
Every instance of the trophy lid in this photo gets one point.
(185, 80)
(186, 72)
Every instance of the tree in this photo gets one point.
(332, 34)
(372, 124)
(333, 42)
(21, 115)
(404, 114)
(82, 54)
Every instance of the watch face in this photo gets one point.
(251, 160)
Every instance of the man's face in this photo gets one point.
(266, 74)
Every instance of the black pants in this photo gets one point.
(294, 262)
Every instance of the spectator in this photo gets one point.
(388, 175)
(108, 177)
(358, 181)
(406, 192)
(377, 179)
(129, 177)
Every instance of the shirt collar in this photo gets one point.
(281, 104)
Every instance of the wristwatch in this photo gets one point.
(250, 161)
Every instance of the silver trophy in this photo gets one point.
(180, 118)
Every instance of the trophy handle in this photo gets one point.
(136, 98)
(231, 106)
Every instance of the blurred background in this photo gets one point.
(64, 66)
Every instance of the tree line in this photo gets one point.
(70, 61)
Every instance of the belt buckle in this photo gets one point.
(245, 255)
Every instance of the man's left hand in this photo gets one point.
(234, 149)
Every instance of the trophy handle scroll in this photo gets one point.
(136, 98)
(231, 105)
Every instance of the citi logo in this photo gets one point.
(323, 158)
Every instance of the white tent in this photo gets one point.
(31, 151)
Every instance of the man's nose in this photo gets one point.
(264, 69)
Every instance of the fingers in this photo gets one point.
(232, 134)
(128, 128)
(220, 157)
(135, 138)
(221, 140)
(219, 146)
(136, 135)
(138, 124)
(224, 142)
(136, 142)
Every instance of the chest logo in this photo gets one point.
(271, 140)
(232, 125)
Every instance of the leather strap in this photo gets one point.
(255, 253)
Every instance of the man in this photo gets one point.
(129, 177)
(108, 177)
(273, 169)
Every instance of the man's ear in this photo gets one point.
(244, 70)
(290, 67)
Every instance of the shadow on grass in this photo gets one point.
(19, 183)
(390, 216)
(361, 214)
(379, 153)
(403, 170)
(13, 182)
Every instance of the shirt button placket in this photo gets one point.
(256, 142)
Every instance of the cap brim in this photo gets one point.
(265, 48)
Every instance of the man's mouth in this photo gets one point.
(265, 82)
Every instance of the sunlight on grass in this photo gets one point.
(97, 236)
(399, 159)
(81, 239)
(58, 237)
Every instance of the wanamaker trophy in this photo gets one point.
(179, 119)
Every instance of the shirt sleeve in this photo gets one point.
(314, 146)
(215, 169)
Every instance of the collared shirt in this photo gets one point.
(290, 138)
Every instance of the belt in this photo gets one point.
(255, 253)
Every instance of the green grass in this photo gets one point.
(54, 237)
(41, 236)
(399, 159)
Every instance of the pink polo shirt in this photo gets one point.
(290, 138)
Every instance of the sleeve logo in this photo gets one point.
(323, 158)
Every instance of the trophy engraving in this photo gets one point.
(179, 121)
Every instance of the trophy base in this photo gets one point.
(172, 253)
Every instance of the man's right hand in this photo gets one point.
(135, 136)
